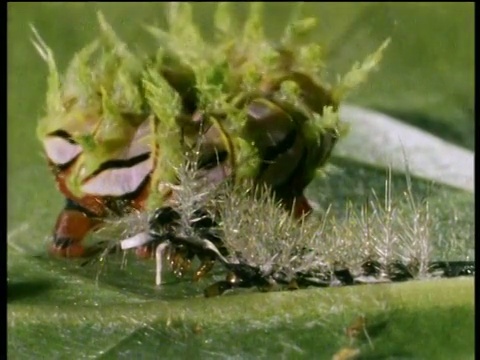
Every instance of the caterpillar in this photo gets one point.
(281, 254)
(119, 126)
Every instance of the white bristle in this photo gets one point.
(158, 258)
(135, 241)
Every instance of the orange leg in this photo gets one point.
(144, 252)
(301, 207)
(73, 224)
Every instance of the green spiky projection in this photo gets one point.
(98, 101)
(243, 67)
(107, 92)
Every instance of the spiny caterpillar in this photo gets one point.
(233, 225)
(119, 126)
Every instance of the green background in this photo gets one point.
(57, 310)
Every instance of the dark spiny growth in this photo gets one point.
(304, 266)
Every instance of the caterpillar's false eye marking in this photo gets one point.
(119, 181)
(60, 150)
